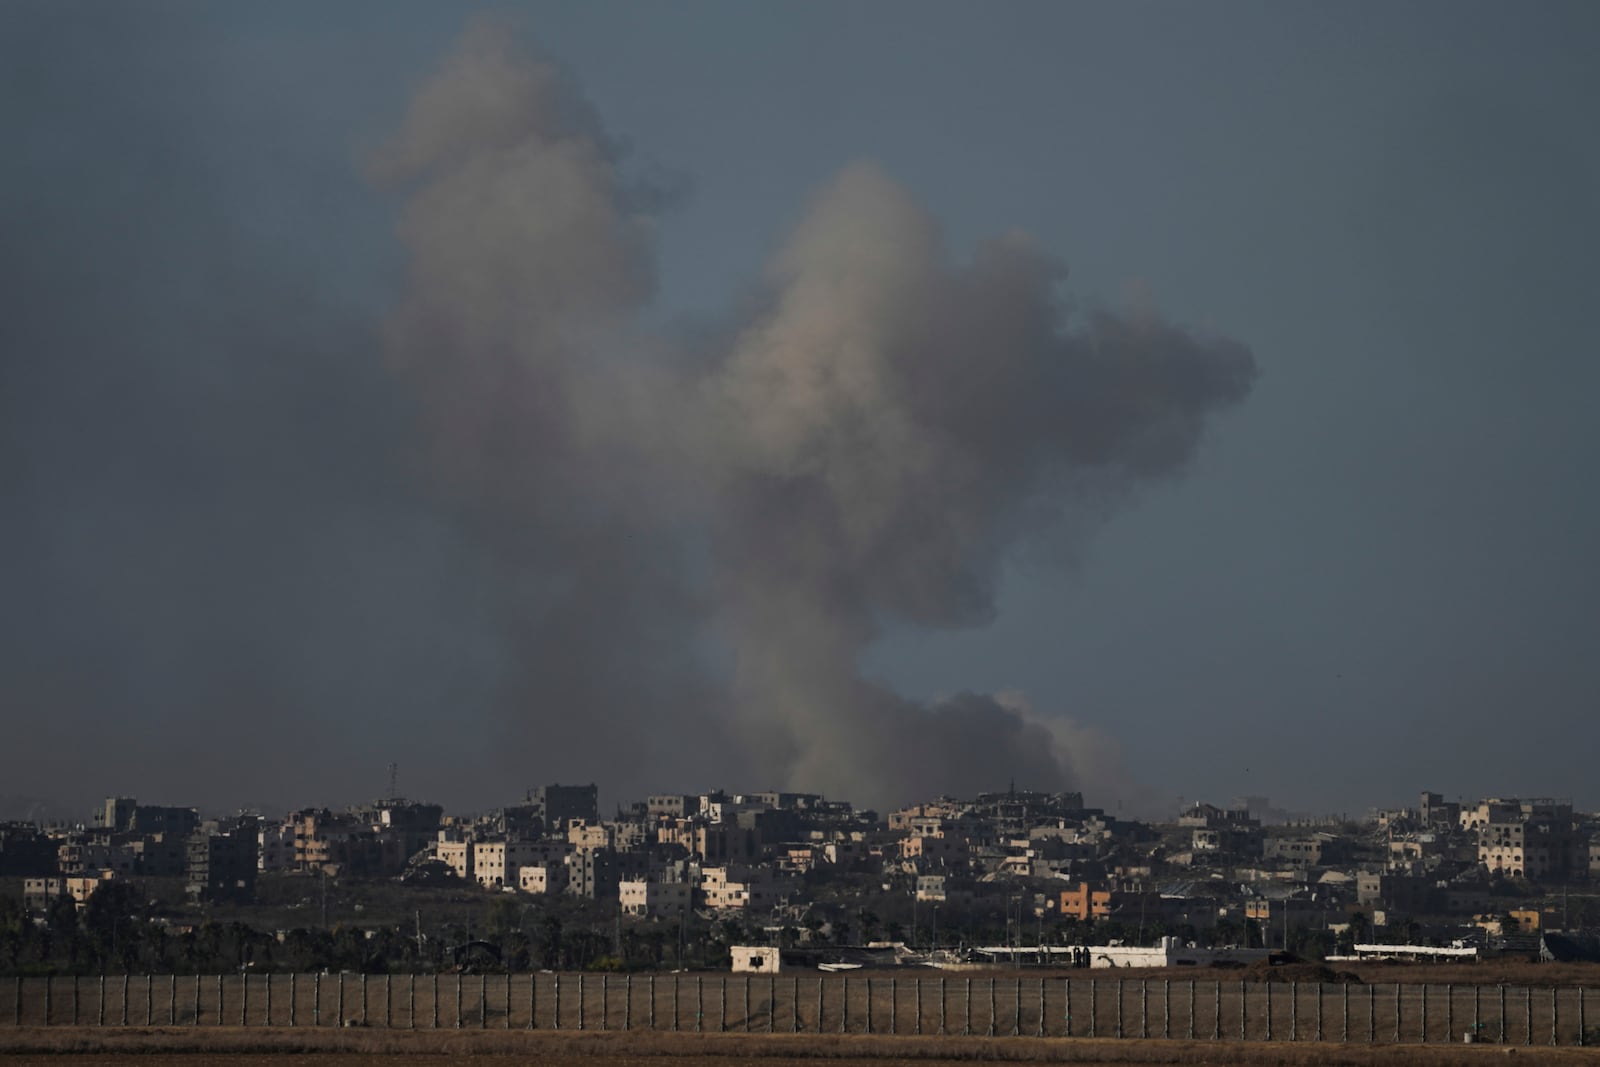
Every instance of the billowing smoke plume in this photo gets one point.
(862, 452)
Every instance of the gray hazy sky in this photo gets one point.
(223, 579)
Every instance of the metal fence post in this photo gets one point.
(268, 1010)
(1191, 1009)
(533, 1000)
(605, 983)
(1119, 1007)
(794, 1005)
(1216, 1011)
(1294, 1011)
(125, 999)
(1266, 987)
(388, 1000)
(338, 1002)
(869, 1005)
(1424, 1010)
(893, 1001)
(1555, 1011)
(747, 1003)
(172, 1000)
(991, 1007)
(917, 985)
(1344, 1025)
(1398, 1013)
(1093, 1005)
(244, 999)
(291, 998)
(966, 1016)
(819, 1004)
(699, 1006)
(941, 1006)
(1372, 1014)
(1581, 1035)
(580, 1000)
(1502, 1015)
(844, 1005)
(49, 985)
(1244, 1032)
(722, 1006)
(1041, 1008)
(1319, 1010)
(1449, 1012)
(1066, 1007)
(100, 1010)
(1144, 1008)
(1016, 1010)
(627, 1002)
(436, 999)
(458, 999)
(1527, 1022)
(508, 999)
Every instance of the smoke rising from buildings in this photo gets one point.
(516, 533)
(862, 452)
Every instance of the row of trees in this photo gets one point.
(120, 930)
(117, 931)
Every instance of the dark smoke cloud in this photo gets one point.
(511, 535)
(864, 452)
(890, 427)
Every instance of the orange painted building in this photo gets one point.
(1085, 904)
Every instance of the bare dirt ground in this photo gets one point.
(151, 1047)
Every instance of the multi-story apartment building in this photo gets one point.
(545, 877)
(223, 861)
(593, 874)
(556, 806)
(672, 806)
(345, 845)
(1085, 903)
(645, 898)
(750, 888)
(498, 863)
(1528, 838)
(25, 852)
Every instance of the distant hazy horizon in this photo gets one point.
(876, 400)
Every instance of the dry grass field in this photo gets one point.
(336, 1048)
(1177, 1016)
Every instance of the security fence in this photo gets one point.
(847, 1004)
